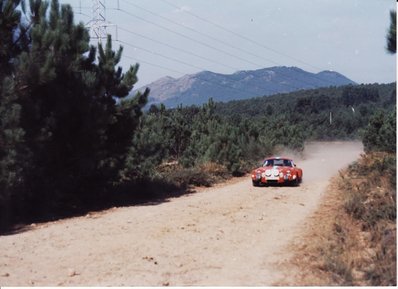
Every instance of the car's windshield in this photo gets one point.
(278, 162)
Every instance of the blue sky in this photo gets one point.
(177, 37)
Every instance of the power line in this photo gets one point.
(187, 37)
(177, 48)
(205, 44)
(161, 55)
(196, 55)
(236, 34)
(200, 42)
(242, 36)
(203, 34)
(246, 91)
(187, 64)
(216, 39)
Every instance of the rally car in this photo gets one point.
(277, 170)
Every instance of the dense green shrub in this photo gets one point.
(380, 134)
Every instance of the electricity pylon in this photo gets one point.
(98, 23)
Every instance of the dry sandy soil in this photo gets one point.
(232, 234)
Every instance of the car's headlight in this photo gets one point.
(281, 174)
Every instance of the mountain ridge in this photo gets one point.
(196, 89)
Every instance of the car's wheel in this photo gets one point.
(296, 182)
(299, 179)
(257, 183)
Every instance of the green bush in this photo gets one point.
(380, 135)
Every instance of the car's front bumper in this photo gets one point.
(285, 179)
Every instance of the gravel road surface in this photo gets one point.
(232, 234)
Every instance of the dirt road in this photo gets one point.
(232, 234)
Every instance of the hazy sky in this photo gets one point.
(177, 37)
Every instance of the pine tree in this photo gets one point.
(14, 155)
(380, 135)
(12, 34)
(68, 111)
(392, 33)
(150, 147)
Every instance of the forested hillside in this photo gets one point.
(237, 134)
(320, 114)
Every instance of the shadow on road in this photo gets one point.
(144, 193)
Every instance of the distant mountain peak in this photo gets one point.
(198, 88)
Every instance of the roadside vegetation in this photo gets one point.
(353, 241)
(352, 238)
(370, 201)
(368, 256)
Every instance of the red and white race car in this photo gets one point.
(277, 170)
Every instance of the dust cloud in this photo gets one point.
(321, 160)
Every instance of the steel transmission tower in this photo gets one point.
(98, 23)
